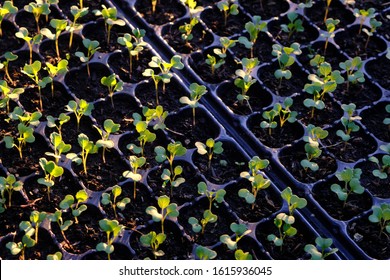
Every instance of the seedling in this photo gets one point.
(383, 165)
(208, 217)
(37, 9)
(9, 185)
(321, 250)
(109, 128)
(62, 119)
(204, 253)
(116, 192)
(293, 201)
(110, 19)
(374, 24)
(8, 94)
(36, 219)
(87, 148)
(226, 44)
(5, 9)
(175, 150)
(381, 215)
(214, 63)
(135, 163)
(9, 56)
(153, 241)
(312, 148)
(80, 109)
(253, 28)
(145, 135)
(240, 255)
(36, 40)
(60, 69)
(52, 171)
(386, 121)
(295, 25)
(328, 2)
(186, 30)
(56, 217)
(32, 71)
(167, 210)
(113, 86)
(92, 47)
(68, 203)
(134, 44)
(210, 148)
(113, 229)
(228, 7)
(285, 56)
(353, 68)
(25, 135)
(255, 165)
(217, 196)
(59, 25)
(54, 257)
(363, 15)
(73, 26)
(240, 230)
(351, 179)
(330, 30)
(197, 91)
(284, 223)
(348, 122)
(192, 7)
(27, 241)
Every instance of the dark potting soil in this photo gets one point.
(373, 118)
(264, 8)
(27, 20)
(262, 49)
(91, 4)
(379, 70)
(165, 12)
(8, 40)
(12, 216)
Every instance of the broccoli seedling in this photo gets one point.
(37, 9)
(116, 192)
(197, 91)
(153, 241)
(73, 26)
(36, 40)
(362, 15)
(381, 215)
(135, 163)
(351, 179)
(54, 257)
(25, 135)
(186, 30)
(228, 7)
(113, 229)
(60, 69)
(192, 7)
(56, 217)
(240, 230)
(92, 47)
(59, 25)
(240, 255)
(204, 253)
(374, 24)
(384, 165)
(286, 58)
(312, 147)
(210, 148)
(321, 250)
(52, 171)
(87, 148)
(348, 122)
(27, 240)
(295, 25)
(293, 201)
(253, 28)
(284, 223)
(5, 9)
(353, 69)
(214, 63)
(9, 56)
(145, 135)
(8, 94)
(330, 31)
(10, 185)
(80, 109)
(167, 210)
(109, 128)
(208, 217)
(110, 18)
(217, 196)
(68, 203)
(62, 119)
(113, 86)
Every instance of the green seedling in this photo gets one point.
(62, 119)
(56, 217)
(210, 148)
(172, 179)
(374, 24)
(87, 148)
(321, 250)
(36, 219)
(59, 25)
(36, 40)
(348, 122)
(32, 71)
(240, 255)
(330, 31)
(351, 179)
(383, 165)
(354, 70)
(68, 203)
(145, 135)
(54, 257)
(228, 7)
(214, 63)
(54, 71)
(192, 7)
(106, 143)
(381, 215)
(27, 241)
(312, 147)
(295, 25)
(8, 94)
(113, 229)
(284, 223)
(134, 45)
(37, 9)
(9, 185)
(92, 47)
(153, 241)
(186, 30)
(362, 15)
(386, 121)
(167, 210)
(6, 9)
(208, 217)
(240, 230)
(9, 56)
(204, 253)
(293, 201)
(253, 28)
(80, 109)
(286, 58)
(212, 196)
(135, 163)
(328, 2)
(52, 171)
(255, 165)
(197, 91)
(226, 44)
(25, 135)
(121, 204)
(113, 86)
(258, 183)
(110, 19)
(73, 26)
(26, 118)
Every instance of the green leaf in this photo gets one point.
(156, 216)
(341, 193)
(247, 195)
(103, 247)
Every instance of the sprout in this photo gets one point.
(51, 170)
(186, 30)
(197, 91)
(92, 47)
(116, 192)
(240, 230)
(8, 94)
(60, 69)
(25, 135)
(153, 240)
(351, 179)
(208, 217)
(77, 13)
(63, 225)
(330, 30)
(253, 28)
(62, 119)
(5, 9)
(83, 108)
(167, 210)
(192, 7)
(294, 26)
(110, 19)
(228, 8)
(384, 165)
(312, 148)
(374, 24)
(363, 15)
(112, 228)
(348, 122)
(59, 25)
(217, 196)
(210, 148)
(284, 223)
(87, 148)
(381, 215)
(293, 201)
(353, 68)
(54, 257)
(241, 255)
(285, 56)
(9, 56)
(214, 63)
(113, 86)
(77, 209)
(135, 163)
(37, 9)
(9, 184)
(109, 128)
(36, 40)
(321, 250)
(204, 253)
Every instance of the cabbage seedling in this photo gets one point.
(80, 109)
(208, 217)
(228, 7)
(312, 146)
(8, 94)
(204, 253)
(52, 171)
(192, 7)
(328, 2)
(26, 118)
(348, 122)
(25, 135)
(384, 165)
(9, 56)
(253, 28)
(167, 210)
(10, 185)
(381, 215)
(197, 91)
(284, 223)
(241, 255)
(59, 25)
(62, 119)
(113, 86)
(245, 79)
(217, 196)
(77, 14)
(135, 163)
(186, 30)
(54, 257)
(36, 219)
(293, 201)
(295, 25)
(255, 165)
(37, 9)
(109, 128)
(321, 250)
(363, 15)
(60, 69)
(36, 40)
(27, 240)
(330, 30)
(214, 63)
(63, 225)
(353, 68)
(5, 9)
(92, 47)
(110, 19)
(87, 148)
(153, 241)
(145, 135)
(68, 203)
(286, 58)
(240, 230)
(112, 228)
(351, 179)
(374, 24)
(210, 148)
(107, 200)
